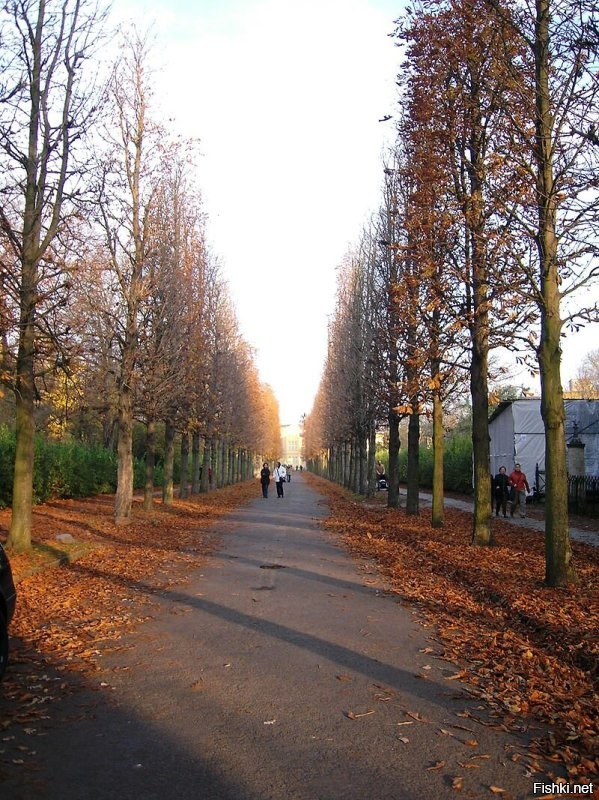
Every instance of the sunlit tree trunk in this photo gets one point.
(559, 570)
(479, 333)
(124, 490)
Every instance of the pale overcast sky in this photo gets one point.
(285, 98)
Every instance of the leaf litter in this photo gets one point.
(529, 652)
(76, 600)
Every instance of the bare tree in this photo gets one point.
(587, 376)
(130, 175)
(454, 56)
(559, 93)
(46, 109)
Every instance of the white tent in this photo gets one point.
(517, 435)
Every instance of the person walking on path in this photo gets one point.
(265, 480)
(501, 491)
(520, 487)
(280, 474)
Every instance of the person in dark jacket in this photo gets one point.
(501, 491)
(265, 479)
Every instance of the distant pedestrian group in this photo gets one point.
(511, 488)
(279, 474)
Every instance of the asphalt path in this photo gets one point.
(280, 671)
(577, 534)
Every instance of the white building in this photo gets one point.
(518, 436)
(292, 442)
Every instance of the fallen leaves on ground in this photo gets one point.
(530, 652)
(68, 615)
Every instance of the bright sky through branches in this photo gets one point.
(285, 98)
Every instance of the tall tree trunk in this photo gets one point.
(363, 463)
(195, 462)
(19, 538)
(394, 444)
(150, 463)
(169, 460)
(352, 479)
(124, 489)
(370, 468)
(222, 460)
(437, 513)
(205, 481)
(559, 570)
(346, 463)
(479, 368)
(230, 465)
(481, 533)
(214, 457)
(184, 485)
(413, 478)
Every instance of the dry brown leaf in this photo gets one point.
(439, 765)
(415, 715)
(456, 676)
(353, 715)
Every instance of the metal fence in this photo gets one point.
(583, 495)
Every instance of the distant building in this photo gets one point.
(292, 442)
(517, 435)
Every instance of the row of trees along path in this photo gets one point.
(485, 239)
(113, 307)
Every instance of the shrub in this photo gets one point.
(7, 462)
(457, 464)
(60, 469)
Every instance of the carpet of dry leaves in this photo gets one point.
(67, 617)
(530, 652)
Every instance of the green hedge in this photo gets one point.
(457, 464)
(65, 469)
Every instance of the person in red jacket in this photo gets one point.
(519, 488)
